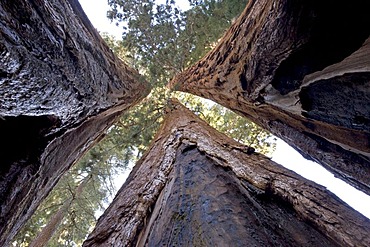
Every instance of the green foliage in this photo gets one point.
(136, 128)
(166, 39)
(207, 21)
(98, 168)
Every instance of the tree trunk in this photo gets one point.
(48, 231)
(61, 87)
(197, 187)
(301, 70)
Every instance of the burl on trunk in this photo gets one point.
(60, 88)
(197, 187)
(301, 70)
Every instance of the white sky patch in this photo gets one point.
(291, 159)
(96, 10)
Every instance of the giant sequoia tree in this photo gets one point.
(60, 88)
(300, 69)
(286, 65)
(197, 187)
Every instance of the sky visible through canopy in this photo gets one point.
(285, 155)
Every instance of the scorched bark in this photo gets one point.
(60, 88)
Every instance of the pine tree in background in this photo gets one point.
(87, 188)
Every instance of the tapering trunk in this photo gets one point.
(301, 70)
(197, 187)
(61, 87)
(48, 231)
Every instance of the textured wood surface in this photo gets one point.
(301, 70)
(60, 88)
(197, 187)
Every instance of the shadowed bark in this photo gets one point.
(196, 187)
(61, 87)
(301, 70)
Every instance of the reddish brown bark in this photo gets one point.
(197, 187)
(301, 70)
(61, 87)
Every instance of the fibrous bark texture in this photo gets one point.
(60, 88)
(197, 187)
(301, 70)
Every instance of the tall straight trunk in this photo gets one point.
(197, 187)
(61, 87)
(48, 231)
(301, 70)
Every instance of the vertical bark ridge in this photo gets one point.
(196, 187)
